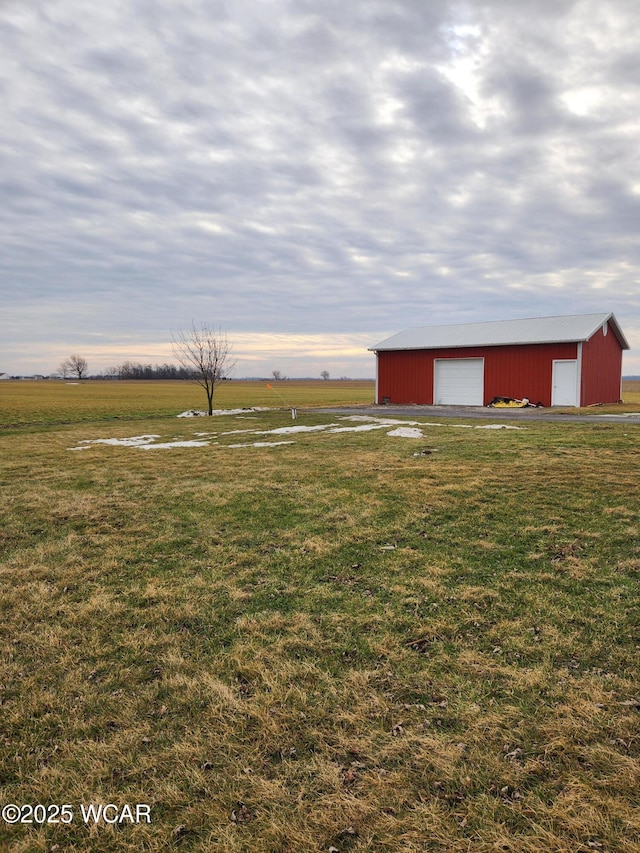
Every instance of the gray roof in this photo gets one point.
(536, 330)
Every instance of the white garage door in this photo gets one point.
(459, 382)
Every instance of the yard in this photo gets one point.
(333, 634)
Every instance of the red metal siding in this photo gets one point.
(406, 376)
(601, 369)
(524, 371)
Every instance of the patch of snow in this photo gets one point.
(365, 423)
(285, 430)
(144, 442)
(194, 413)
(485, 426)
(376, 422)
(278, 430)
(406, 432)
(382, 421)
(262, 444)
(167, 444)
(498, 426)
(133, 441)
(361, 428)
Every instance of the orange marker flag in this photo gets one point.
(268, 386)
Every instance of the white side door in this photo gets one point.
(565, 383)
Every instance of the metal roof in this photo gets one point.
(535, 330)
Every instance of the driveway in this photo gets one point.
(392, 411)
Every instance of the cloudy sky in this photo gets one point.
(311, 176)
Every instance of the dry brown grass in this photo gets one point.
(327, 644)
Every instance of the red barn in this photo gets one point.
(557, 361)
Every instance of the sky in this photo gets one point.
(311, 177)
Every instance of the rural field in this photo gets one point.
(340, 633)
(53, 402)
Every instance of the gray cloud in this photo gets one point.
(312, 169)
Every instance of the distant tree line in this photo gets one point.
(135, 370)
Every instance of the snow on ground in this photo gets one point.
(133, 441)
(262, 444)
(361, 428)
(166, 444)
(406, 432)
(364, 423)
(144, 442)
(194, 413)
(498, 426)
(384, 421)
(285, 430)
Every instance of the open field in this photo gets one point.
(331, 638)
(631, 391)
(56, 402)
(630, 399)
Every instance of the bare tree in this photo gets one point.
(277, 375)
(206, 354)
(325, 374)
(75, 365)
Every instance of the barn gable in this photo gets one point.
(571, 361)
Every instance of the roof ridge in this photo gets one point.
(605, 314)
(559, 328)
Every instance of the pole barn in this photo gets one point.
(556, 361)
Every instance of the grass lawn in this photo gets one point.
(319, 640)
(54, 402)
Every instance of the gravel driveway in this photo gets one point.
(481, 412)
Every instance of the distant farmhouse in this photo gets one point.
(557, 361)
(4, 376)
